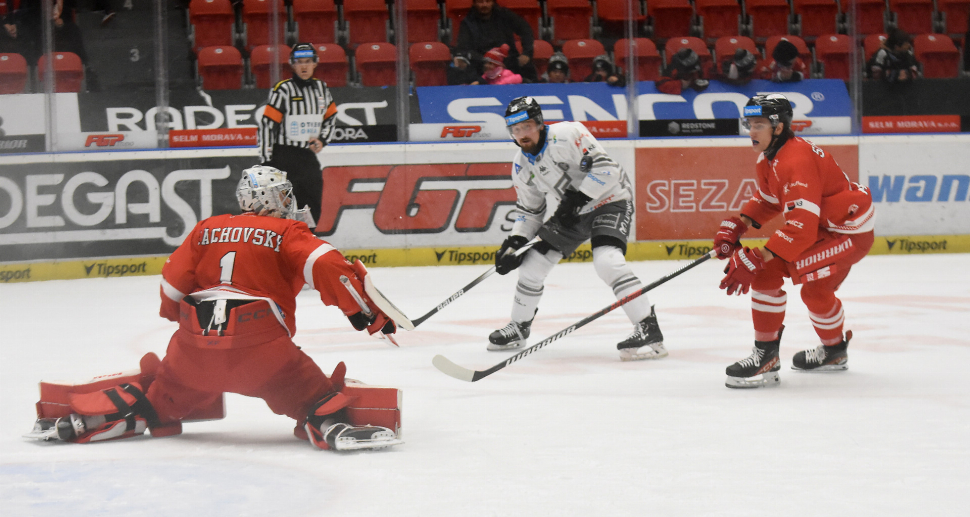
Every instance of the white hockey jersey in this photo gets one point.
(556, 167)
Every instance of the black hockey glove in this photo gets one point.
(505, 260)
(567, 215)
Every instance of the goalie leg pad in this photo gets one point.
(112, 413)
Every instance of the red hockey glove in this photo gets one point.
(741, 270)
(726, 240)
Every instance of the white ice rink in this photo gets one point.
(567, 431)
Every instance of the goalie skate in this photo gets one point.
(759, 370)
(346, 437)
(45, 429)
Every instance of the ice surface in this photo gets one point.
(569, 430)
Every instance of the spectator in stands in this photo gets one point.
(684, 71)
(739, 68)
(67, 35)
(9, 43)
(495, 71)
(558, 69)
(489, 25)
(785, 65)
(605, 72)
(461, 71)
(894, 62)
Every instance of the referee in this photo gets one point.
(297, 122)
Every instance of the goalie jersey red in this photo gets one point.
(806, 184)
(256, 257)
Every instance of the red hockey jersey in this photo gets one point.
(249, 256)
(808, 186)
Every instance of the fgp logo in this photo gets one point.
(800, 125)
(103, 140)
(460, 131)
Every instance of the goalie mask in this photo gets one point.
(265, 190)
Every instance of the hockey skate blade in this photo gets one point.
(630, 354)
(767, 380)
(354, 445)
(445, 366)
(823, 369)
(492, 347)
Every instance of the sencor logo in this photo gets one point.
(460, 131)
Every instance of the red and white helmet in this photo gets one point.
(265, 190)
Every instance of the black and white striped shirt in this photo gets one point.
(297, 111)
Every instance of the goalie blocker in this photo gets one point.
(109, 407)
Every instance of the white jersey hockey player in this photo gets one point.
(565, 163)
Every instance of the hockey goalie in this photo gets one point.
(232, 288)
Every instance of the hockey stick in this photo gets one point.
(464, 374)
(473, 283)
(364, 308)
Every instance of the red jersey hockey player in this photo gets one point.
(828, 228)
(232, 287)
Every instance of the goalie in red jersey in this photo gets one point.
(232, 287)
(828, 227)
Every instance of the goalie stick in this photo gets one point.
(473, 283)
(461, 373)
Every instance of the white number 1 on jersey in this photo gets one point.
(226, 263)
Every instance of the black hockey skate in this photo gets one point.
(510, 336)
(758, 370)
(834, 358)
(646, 341)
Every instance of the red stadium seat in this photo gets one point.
(529, 10)
(725, 47)
(541, 52)
(816, 17)
(871, 44)
(220, 68)
(365, 21)
(570, 20)
(68, 71)
(424, 17)
(768, 18)
(697, 45)
(316, 20)
(913, 16)
(257, 16)
(647, 59)
(719, 18)
(832, 52)
(870, 15)
(612, 14)
(333, 65)
(429, 61)
(377, 64)
(955, 13)
(261, 61)
(803, 52)
(211, 23)
(670, 18)
(13, 73)
(580, 53)
(455, 11)
(938, 54)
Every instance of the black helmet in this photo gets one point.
(686, 62)
(774, 106)
(522, 109)
(302, 50)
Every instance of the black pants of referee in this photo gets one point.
(304, 172)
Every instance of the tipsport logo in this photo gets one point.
(686, 250)
(916, 246)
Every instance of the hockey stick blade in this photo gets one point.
(473, 283)
(447, 367)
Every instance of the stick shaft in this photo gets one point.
(458, 372)
(473, 283)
